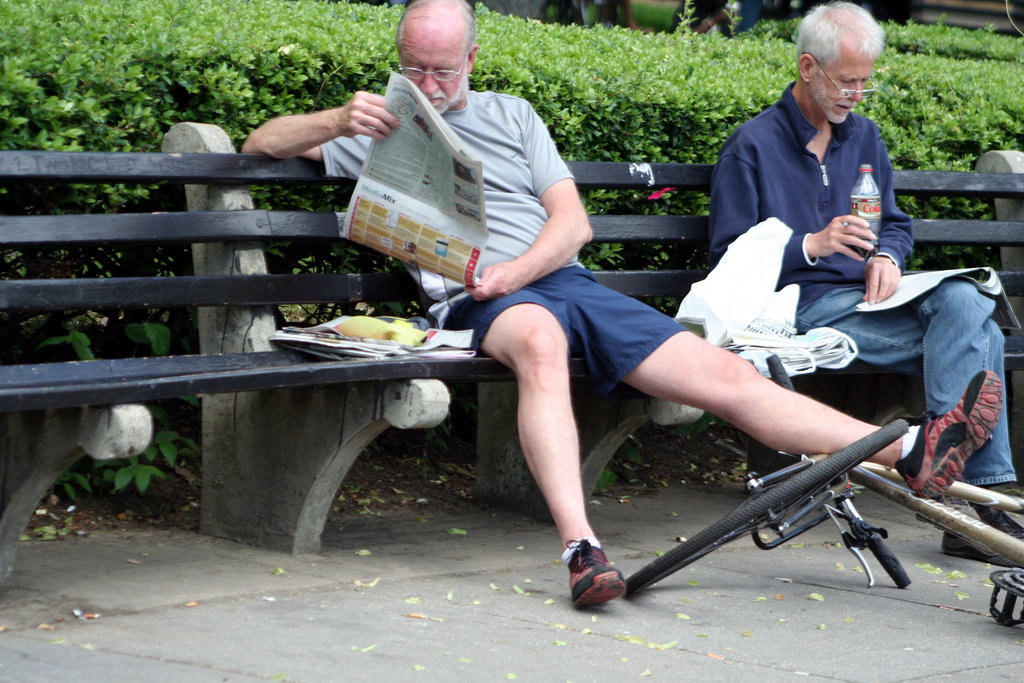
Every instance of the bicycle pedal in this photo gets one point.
(1011, 581)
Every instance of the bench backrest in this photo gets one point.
(61, 231)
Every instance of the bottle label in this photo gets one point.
(868, 208)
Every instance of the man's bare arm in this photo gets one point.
(563, 235)
(302, 134)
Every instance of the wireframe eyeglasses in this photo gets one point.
(844, 92)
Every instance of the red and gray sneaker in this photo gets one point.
(944, 443)
(592, 579)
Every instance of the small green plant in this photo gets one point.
(163, 454)
(76, 340)
(157, 335)
(71, 482)
(166, 447)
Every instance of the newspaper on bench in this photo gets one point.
(390, 340)
(420, 193)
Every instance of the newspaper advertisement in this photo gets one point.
(420, 193)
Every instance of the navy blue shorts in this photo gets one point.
(613, 332)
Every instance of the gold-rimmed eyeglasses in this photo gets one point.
(844, 92)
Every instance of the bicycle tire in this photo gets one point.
(889, 563)
(753, 512)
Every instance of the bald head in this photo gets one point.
(450, 14)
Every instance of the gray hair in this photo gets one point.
(466, 11)
(823, 29)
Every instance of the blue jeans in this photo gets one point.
(945, 336)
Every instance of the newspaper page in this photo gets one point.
(330, 340)
(913, 285)
(420, 194)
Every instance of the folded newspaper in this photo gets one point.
(986, 279)
(800, 354)
(376, 338)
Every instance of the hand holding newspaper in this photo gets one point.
(420, 194)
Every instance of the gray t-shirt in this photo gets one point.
(520, 163)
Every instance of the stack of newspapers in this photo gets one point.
(327, 341)
(800, 354)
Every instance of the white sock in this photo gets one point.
(568, 552)
(908, 441)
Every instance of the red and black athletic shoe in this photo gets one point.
(944, 443)
(592, 579)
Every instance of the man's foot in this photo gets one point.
(959, 546)
(944, 443)
(591, 579)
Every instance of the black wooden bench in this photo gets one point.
(281, 429)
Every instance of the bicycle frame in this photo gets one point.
(888, 483)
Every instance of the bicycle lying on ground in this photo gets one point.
(800, 496)
(787, 503)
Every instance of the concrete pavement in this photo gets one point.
(414, 595)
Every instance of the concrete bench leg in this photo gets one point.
(502, 477)
(37, 446)
(273, 461)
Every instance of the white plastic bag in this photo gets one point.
(741, 286)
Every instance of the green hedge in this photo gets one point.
(106, 75)
(114, 75)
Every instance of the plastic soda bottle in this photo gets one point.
(866, 203)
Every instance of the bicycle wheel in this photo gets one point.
(756, 511)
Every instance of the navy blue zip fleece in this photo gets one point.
(764, 169)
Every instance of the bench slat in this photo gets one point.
(968, 232)
(626, 176)
(18, 166)
(168, 228)
(140, 168)
(63, 231)
(614, 228)
(61, 385)
(105, 294)
(959, 184)
(99, 294)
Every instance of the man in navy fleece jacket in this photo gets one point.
(797, 161)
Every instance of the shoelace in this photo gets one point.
(579, 557)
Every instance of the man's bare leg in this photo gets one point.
(529, 340)
(685, 369)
